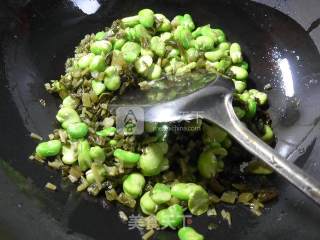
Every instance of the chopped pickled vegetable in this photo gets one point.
(51, 186)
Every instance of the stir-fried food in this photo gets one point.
(169, 168)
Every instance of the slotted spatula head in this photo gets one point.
(195, 94)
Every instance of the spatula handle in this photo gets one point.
(295, 175)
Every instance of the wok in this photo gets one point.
(38, 36)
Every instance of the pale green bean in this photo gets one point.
(48, 149)
(128, 159)
(188, 233)
(133, 185)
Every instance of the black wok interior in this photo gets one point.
(40, 36)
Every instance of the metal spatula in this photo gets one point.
(214, 103)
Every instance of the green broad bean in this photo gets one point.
(146, 52)
(97, 154)
(258, 167)
(166, 36)
(261, 97)
(208, 32)
(163, 24)
(196, 33)
(113, 142)
(224, 46)
(214, 145)
(207, 164)
(119, 43)
(151, 159)
(240, 86)
(192, 43)
(244, 97)
(251, 108)
(108, 122)
(186, 68)
(215, 55)
(211, 66)
(130, 21)
(148, 206)
(70, 102)
(133, 185)
(130, 34)
(111, 71)
(268, 134)
(188, 22)
(185, 21)
(160, 193)
(77, 130)
(158, 149)
(69, 153)
(97, 87)
(173, 53)
(183, 36)
(101, 174)
(85, 60)
(101, 47)
(100, 36)
(198, 202)
(221, 153)
(154, 72)
(143, 64)
(244, 65)
(192, 55)
(213, 133)
(253, 92)
(169, 70)
(235, 53)
(48, 149)
(170, 217)
(98, 64)
(130, 51)
(158, 46)
(188, 233)
(66, 116)
(146, 17)
(239, 73)
(204, 43)
(177, 20)
(107, 132)
(141, 32)
(182, 191)
(128, 159)
(239, 112)
(175, 64)
(221, 35)
(222, 65)
(112, 83)
(84, 158)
